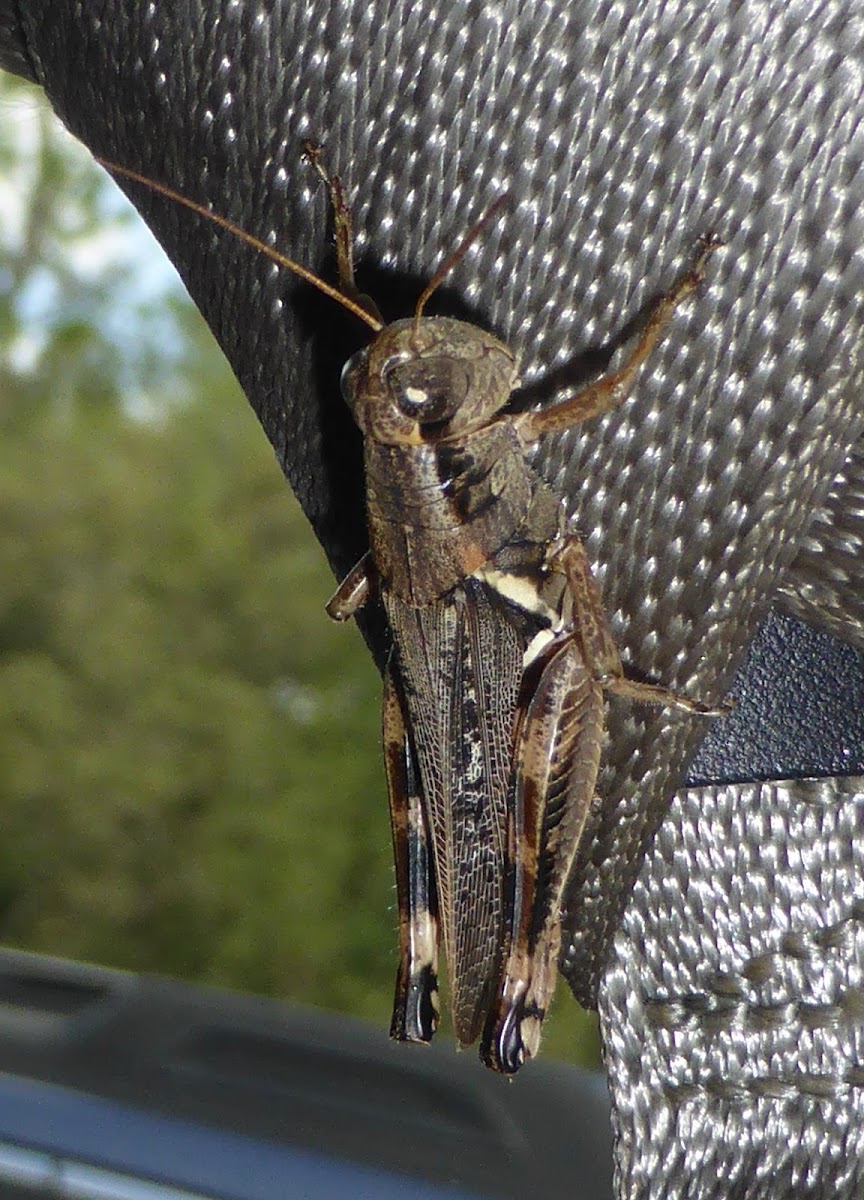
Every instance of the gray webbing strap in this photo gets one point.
(733, 1003)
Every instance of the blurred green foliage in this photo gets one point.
(190, 776)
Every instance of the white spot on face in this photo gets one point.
(416, 395)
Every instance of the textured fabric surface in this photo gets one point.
(750, 915)
(14, 55)
(623, 131)
(825, 584)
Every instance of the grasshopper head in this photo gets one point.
(428, 379)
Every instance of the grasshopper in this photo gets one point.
(493, 706)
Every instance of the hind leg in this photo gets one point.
(601, 653)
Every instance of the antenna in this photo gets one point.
(283, 261)
(458, 254)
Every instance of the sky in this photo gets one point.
(119, 243)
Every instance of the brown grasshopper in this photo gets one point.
(501, 652)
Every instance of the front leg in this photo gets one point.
(610, 391)
(343, 232)
(600, 651)
(415, 1006)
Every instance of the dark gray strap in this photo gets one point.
(624, 131)
(14, 53)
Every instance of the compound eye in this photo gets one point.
(429, 390)
(349, 373)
